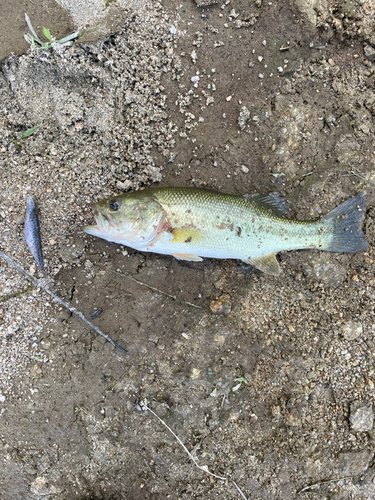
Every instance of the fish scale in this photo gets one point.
(191, 223)
(234, 226)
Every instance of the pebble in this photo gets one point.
(354, 463)
(318, 267)
(244, 117)
(352, 330)
(362, 418)
(222, 305)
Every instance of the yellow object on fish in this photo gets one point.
(191, 223)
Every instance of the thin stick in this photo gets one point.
(204, 468)
(239, 491)
(129, 276)
(324, 482)
(39, 284)
(143, 405)
(357, 175)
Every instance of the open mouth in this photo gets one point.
(103, 222)
(106, 217)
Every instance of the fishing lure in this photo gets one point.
(32, 236)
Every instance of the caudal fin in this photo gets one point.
(346, 222)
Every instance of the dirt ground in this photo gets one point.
(268, 381)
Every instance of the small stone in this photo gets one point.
(243, 118)
(369, 51)
(124, 186)
(222, 305)
(321, 267)
(354, 463)
(351, 330)
(361, 418)
(203, 3)
(244, 169)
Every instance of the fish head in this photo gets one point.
(131, 219)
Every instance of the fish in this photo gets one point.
(32, 235)
(192, 223)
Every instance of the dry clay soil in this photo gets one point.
(269, 382)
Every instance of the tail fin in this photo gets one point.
(346, 221)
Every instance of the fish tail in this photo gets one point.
(346, 222)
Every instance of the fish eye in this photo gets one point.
(114, 205)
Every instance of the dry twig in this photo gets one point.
(144, 407)
(130, 277)
(40, 284)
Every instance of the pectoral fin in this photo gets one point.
(186, 235)
(187, 256)
(268, 264)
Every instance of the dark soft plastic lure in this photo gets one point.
(32, 235)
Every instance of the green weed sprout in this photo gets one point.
(31, 39)
(28, 132)
(25, 135)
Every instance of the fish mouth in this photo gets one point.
(104, 222)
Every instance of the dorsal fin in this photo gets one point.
(274, 203)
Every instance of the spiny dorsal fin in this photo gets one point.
(268, 264)
(274, 202)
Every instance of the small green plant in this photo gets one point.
(31, 39)
(241, 380)
(24, 135)
(28, 132)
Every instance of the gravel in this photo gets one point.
(100, 111)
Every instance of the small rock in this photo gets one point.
(352, 330)
(317, 267)
(243, 118)
(222, 305)
(361, 418)
(124, 186)
(369, 51)
(203, 3)
(354, 463)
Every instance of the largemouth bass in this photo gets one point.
(191, 223)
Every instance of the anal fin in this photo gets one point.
(268, 264)
(187, 256)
